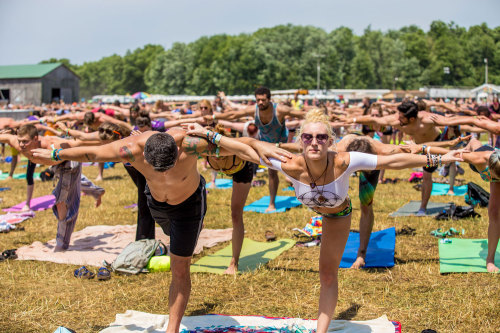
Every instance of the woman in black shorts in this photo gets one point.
(242, 173)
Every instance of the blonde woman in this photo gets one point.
(321, 181)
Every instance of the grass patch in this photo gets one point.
(40, 296)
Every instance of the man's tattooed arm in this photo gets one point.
(198, 146)
(126, 154)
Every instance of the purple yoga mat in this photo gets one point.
(40, 203)
(131, 206)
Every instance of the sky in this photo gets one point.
(88, 30)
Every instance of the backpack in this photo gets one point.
(477, 195)
(135, 256)
(457, 212)
(46, 175)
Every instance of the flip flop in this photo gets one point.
(270, 236)
(439, 233)
(452, 231)
(83, 273)
(103, 274)
(9, 254)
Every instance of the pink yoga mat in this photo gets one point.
(40, 203)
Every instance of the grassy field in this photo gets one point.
(40, 296)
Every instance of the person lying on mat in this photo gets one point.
(484, 160)
(321, 181)
(175, 192)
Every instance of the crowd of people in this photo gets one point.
(316, 146)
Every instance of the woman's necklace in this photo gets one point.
(313, 185)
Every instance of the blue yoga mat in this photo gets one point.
(221, 183)
(289, 188)
(380, 252)
(4, 189)
(442, 189)
(283, 203)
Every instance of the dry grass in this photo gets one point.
(39, 296)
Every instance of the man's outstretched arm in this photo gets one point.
(125, 150)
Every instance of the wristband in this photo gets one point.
(67, 132)
(213, 116)
(440, 162)
(53, 155)
(354, 121)
(423, 148)
(428, 149)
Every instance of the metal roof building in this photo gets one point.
(37, 84)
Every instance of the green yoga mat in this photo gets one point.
(4, 176)
(465, 255)
(253, 254)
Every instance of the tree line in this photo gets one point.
(286, 56)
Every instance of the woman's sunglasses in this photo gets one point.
(108, 131)
(203, 108)
(321, 139)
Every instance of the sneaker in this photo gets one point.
(421, 212)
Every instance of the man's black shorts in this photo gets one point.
(182, 222)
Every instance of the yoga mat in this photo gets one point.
(222, 183)
(412, 207)
(253, 254)
(380, 252)
(135, 321)
(465, 255)
(40, 203)
(289, 188)
(14, 218)
(442, 189)
(131, 206)
(283, 203)
(4, 176)
(4, 189)
(93, 244)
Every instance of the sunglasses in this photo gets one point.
(109, 132)
(203, 108)
(321, 139)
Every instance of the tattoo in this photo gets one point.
(192, 145)
(344, 164)
(126, 154)
(87, 156)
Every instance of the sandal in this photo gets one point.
(452, 231)
(439, 233)
(103, 274)
(83, 273)
(9, 254)
(270, 236)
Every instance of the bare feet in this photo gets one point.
(359, 263)
(212, 185)
(270, 208)
(59, 249)
(450, 192)
(98, 200)
(26, 208)
(98, 178)
(8, 178)
(490, 267)
(232, 269)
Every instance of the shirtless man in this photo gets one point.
(270, 121)
(419, 125)
(71, 181)
(175, 193)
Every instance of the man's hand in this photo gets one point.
(453, 156)
(459, 139)
(41, 153)
(411, 148)
(194, 129)
(267, 150)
